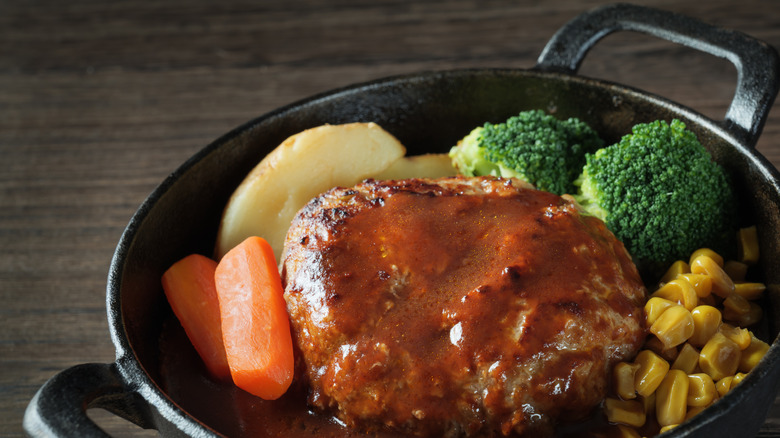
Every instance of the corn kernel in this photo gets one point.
(648, 403)
(737, 271)
(672, 398)
(693, 411)
(658, 347)
(750, 291)
(623, 374)
(626, 432)
(687, 359)
(706, 320)
(679, 267)
(723, 386)
(722, 285)
(652, 370)
(754, 315)
(747, 245)
(736, 305)
(738, 378)
(667, 428)
(709, 253)
(674, 326)
(701, 390)
(720, 357)
(753, 354)
(679, 291)
(710, 300)
(654, 307)
(739, 335)
(701, 283)
(628, 412)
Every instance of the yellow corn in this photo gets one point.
(626, 432)
(723, 386)
(722, 285)
(628, 412)
(701, 283)
(679, 267)
(684, 309)
(693, 411)
(672, 398)
(674, 326)
(737, 379)
(747, 245)
(623, 376)
(687, 359)
(739, 335)
(706, 320)
(654, 307)
(710, 300)
(652, 370)
(750, 291)
(679, 291)
(720, 357)
(658, 347)
(753, 354)
(648, 403)
(709, 253)
(753, 316)
(736, 305)
(701, 390)
(737, 271)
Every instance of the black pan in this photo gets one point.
(428, 112)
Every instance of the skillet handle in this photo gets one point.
(757, 63)
(59, 408)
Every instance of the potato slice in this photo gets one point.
(419, 166)
(302, 167)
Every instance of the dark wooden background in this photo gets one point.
(100, 100)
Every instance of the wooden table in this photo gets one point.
(101, 99)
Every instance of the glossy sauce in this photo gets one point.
(234, 413)
(417, 307)
(446, 293)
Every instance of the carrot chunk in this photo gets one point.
(255, 323)
(192, 293)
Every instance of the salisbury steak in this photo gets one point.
(458, 306)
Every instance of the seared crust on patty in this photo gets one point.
(457, 306)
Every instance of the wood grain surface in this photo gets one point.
(100, 100)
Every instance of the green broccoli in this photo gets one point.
(533, 146)
(660, 192)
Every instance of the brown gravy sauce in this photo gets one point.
(427, 292)
(233, 412)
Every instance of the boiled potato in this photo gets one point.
(419, 166)
(302, 167)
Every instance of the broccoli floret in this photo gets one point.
(660, 192)
(533, 146)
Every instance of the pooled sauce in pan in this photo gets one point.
(234, 413)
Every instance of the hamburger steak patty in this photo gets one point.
(457, 306)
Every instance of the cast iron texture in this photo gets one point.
(428, 112)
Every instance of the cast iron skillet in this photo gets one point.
(428, 112)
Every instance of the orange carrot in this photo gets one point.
(192, 293)
(255, 324)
